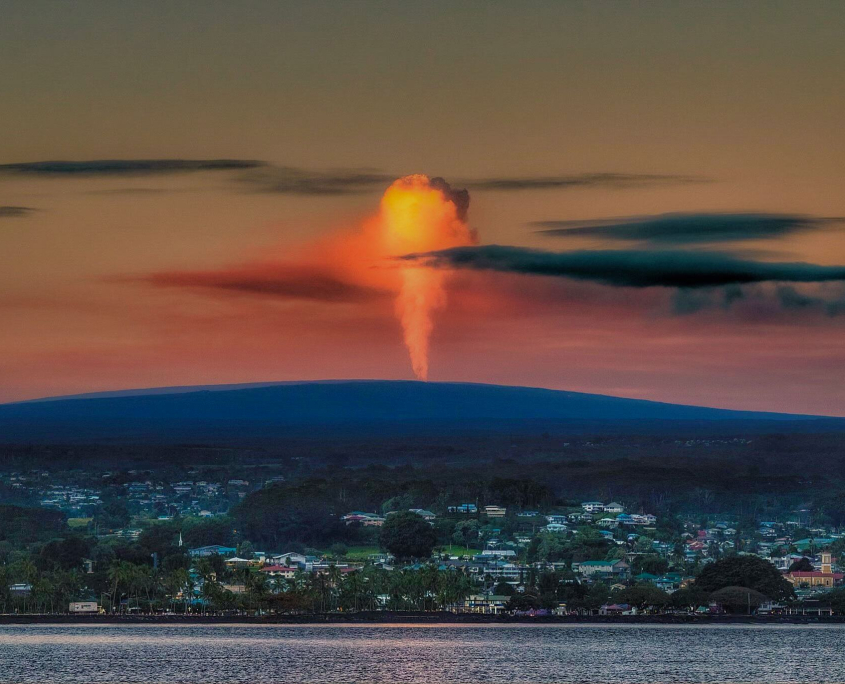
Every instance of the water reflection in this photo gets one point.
(612, 654)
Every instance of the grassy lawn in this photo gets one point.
(361, 552)
(456, 550)
(78, 522)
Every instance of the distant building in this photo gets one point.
(823, 578)
(84, 607)
(593, 506)
(495, 511)
(213, 550)
(602, 569)
(556, 527)
(362, 518)
(485, 605)
(496, 553)
(290, 559)
(236, 562)
(465, 508)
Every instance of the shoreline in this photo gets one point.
(376, 618)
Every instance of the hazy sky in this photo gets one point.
(554, 115)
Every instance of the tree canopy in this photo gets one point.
(738, 599)
(745, 571)
(407, 535)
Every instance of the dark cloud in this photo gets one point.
(291, 180)
(263, 177)
(692, 300)
(584, 180)
(791, 298)
(460, 198)
(294, 181)
(15, 212)
(687, 228)
(632, 268)
(263, 280)
(125, 167)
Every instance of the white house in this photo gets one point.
(495, 511)
(84, 607)
(289, 559)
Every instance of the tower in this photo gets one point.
(827, 566)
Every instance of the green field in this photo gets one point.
(78, 522)
(456, 550)
(360, 553)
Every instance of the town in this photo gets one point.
(132, 542)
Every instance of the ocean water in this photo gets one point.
(282, 654)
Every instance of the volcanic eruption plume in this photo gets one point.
(360, 266)
(422, 214)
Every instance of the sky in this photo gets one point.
(656, 195)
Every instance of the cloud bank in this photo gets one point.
(295, 181)
(262, 176)
(292, 180)
(688, 228)
(125, 167)
(631, 268)
(584, 180)
(9, 211)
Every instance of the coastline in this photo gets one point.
(376, 618)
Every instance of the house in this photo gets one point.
(613, 569)
(615, 609)
(593, 506)
(614, 508)
(495, 511)
(423, 513)
(782, 563)
(497, 569)
(817, 542)
(213, 550)
(823, 578)
(290, 559)
(83, 608)
(609, 522)
(669, 582)
(365, 519)
(811, 607)
(489, 553)
(279, 571)
(478, 603)
(465, 509)
(555, 527)
(557, 519)
(236, 562)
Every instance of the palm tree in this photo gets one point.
(120, 575)
(256, 587)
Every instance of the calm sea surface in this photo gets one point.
(217, 654)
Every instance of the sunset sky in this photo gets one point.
(665, 182)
